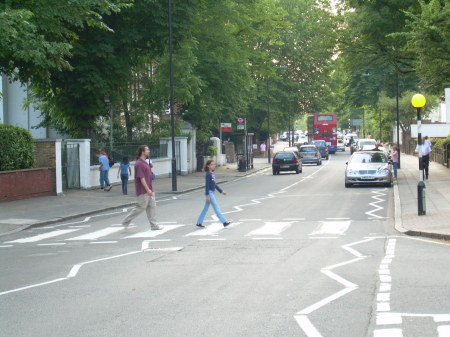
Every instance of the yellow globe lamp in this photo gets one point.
(418, 101)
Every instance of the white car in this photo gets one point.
(340, 145)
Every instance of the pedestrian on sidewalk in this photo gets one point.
(394, 158)
(124, 169)
(426, 150)
(262, 148)
(104, 170)
(210, 187)
(144, 190)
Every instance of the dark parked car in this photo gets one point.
(286, 161)
(323, 148)
(310, 154)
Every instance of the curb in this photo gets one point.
(73, 216)
(398, 224)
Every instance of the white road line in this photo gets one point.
(374, 204)
(325, 301)
(97, 234)
(332, 227)
(267, 238)
(100, 242)
(444, 330)
(74, 271)
(32, 286)
(322, 237)
(6, 246)
(211, 230)
(44, 236)
(52, 244)
(388, 333)
(389, 318)
(151, 233)
(271, 228)
(309, 329)
(213, 239)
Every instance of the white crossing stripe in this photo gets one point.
(97, 234)
(152, 234)
(212, 229)
(44, 236)
(444, 330)
(332, 228)
(388, 333)
(271, 228)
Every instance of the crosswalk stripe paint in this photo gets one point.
(212, 229)
(97, 234)
(331, 227)
(152, 234)
(44, 236)
(271, 228)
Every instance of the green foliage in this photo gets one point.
(441, 143)
(429, 39)
(37, 37)
(211, 151)
(17, 148)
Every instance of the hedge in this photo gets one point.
(17, 150)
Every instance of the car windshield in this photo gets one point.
(367, 143)
(319, 143)
(368, 158)
(308, 149)
(284, 155)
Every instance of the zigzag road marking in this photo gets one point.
(374, 204)
(302, 316)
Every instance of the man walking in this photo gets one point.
(426, 150)
(104, 170)
(144, 190)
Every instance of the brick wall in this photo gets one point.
(45, 153)
(24, 184)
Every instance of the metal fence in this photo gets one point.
(121, 150)
(441, 156)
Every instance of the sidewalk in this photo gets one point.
(21, 214)
(436, 222)
(18, 215)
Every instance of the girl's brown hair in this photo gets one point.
(208, 162)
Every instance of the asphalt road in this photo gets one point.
(304, 257)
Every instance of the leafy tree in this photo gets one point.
(429, 39)
(36, 37)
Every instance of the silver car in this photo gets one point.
(368, 168)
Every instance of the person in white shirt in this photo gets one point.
(426, 149)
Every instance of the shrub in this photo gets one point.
(17, 150)
(212, 151)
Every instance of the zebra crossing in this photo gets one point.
(264, 230)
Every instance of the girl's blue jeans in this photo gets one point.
(124, 178)
(395, 166)
(216, 209)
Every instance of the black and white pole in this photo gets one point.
(418, 101)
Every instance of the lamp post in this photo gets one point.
(398, 121)
(418, 101)
(268, 116)
(172, 117)
(108, 104)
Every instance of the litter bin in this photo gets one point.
(242, 164)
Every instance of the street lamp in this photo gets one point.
(268, 117)
(418, 101)
(398, 121)
(108, 104)
(172, 118)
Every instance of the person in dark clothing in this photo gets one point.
(210, 187)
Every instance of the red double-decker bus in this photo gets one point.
(324, 127)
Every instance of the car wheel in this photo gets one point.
(347, 185)
(297, 171)
(328, 157)
(274, 172)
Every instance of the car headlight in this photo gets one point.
(351, 172)
(383, 171)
